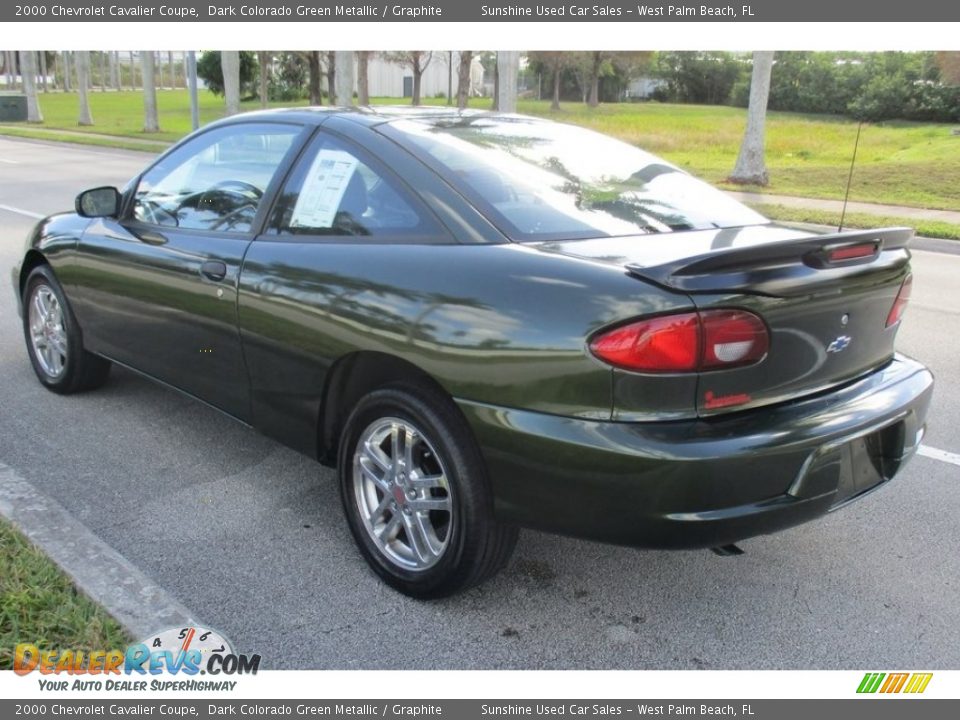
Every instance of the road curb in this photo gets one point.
(140, 605)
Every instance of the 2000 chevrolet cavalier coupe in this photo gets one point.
(486, 322)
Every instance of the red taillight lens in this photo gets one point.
(686, 342)
(900, 303)
(670, 343)
(853, 252)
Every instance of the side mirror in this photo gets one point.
(99, 202)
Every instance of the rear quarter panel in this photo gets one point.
(499, 324)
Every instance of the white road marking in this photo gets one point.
(941, 455)
(9, 162)
(20, 211)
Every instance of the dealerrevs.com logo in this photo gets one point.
(185, 652)
(888, 683)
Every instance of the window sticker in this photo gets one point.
(323, 189)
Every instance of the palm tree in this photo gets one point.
(151, 123)
(363, 80)
(344, 80)
(115, 69)
(67, 72)
(751, 168)
(28, 71)
(508, 65)
(83, 87)
(263, 60)
(230, 64)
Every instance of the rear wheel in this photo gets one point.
(416, 495)
(54, 342)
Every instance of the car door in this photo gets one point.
(158, 287)
(327, 275)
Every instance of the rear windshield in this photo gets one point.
(539, 180)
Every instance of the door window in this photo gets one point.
(217, 180)
(334, 191)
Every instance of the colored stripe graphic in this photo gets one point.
(870, 682)
(918, 682)
(894, 682)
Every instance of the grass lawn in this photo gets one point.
(900, 163)
(39, 604)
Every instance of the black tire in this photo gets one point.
(76, 369)
(475, 544)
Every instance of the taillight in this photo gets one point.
(732, 338)
(685, 342)
(900, 303)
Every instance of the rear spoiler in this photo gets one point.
(784, 268)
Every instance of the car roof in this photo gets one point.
(373, 115)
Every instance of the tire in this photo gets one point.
(424, 525)
(54, 341)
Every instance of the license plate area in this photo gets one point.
(853, 467)
(869, 461)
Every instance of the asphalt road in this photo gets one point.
(249, 535)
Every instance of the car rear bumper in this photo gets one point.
(703, 483)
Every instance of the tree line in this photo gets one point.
(922, 86)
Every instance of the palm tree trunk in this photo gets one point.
(43, 70)
(751, 168)
(263, 59)
(28, 68)
(115, 69)
(67, 72)
(230, 64)
(363, 86)
(151, 123)
(83, 87)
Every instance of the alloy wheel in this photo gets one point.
(402, 493)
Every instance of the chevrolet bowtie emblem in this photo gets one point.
(839, 345)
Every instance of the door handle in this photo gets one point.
(214, 270)
(151, 237)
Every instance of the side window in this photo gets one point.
(216, 181)
(333, 192)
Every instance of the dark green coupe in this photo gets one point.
(491, 321)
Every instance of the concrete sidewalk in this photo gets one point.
(41, 133)
(950, 216)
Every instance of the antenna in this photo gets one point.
(853, 160)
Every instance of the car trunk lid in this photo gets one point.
(824, 298)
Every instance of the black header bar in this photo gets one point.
(849, 11)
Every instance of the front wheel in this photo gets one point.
(416, 495)
(54, 343)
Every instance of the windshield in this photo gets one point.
(539, 180)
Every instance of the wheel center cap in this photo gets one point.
(399, 495)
